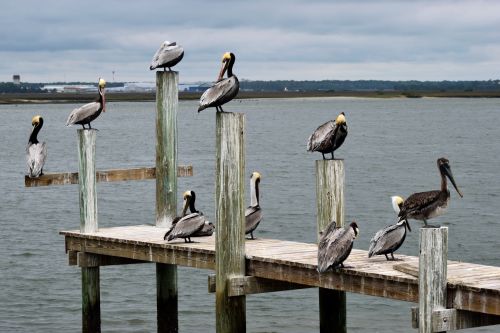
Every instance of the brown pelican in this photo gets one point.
(36, 152)
(389, 239)
(253, 214)
(223, 90)
(335, 245)
(188, 225)
(426, 205)
(207, 230)
(168, 55)
(329, 136)
(88, 112)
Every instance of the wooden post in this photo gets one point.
(230, 217)
(91, 302)
(330, 206)
(432, 275)
(166, 193)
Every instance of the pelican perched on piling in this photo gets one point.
(335, 245)
(253, 214)
(223, 90)
(426, 205)
(88, 112)
(329, 136)
(187, 225)
(36, 152)
(168, 55)
(389, 239)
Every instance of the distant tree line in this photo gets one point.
(25, 87)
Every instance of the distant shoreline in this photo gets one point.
(42, 98)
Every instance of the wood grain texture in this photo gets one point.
(229, 214)
(432, 277)
(103, 176)
(91, 300)
(453, 319)
(87, 180)
(330, 207)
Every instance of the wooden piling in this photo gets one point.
(230, 217)
(432, 276)
(330, 206)
(166, 193)
(91, 302)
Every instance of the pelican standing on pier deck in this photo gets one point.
(88, 112)
(168, 55)
(223, 90)
(329, 136)
(188, 225)
(36, 152)
(389, 239)
(426, 205)
(335, 245)
(253, 214)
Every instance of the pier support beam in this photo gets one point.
(91, 295)
(166, 193)
(330, 206)
(230, 217)
(432, 275)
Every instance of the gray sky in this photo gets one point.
(302, 40)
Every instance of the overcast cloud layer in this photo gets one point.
(51, 40)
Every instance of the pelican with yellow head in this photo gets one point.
(329, 136)
(88, 112)
(253, 214)
(223, 90)
(36, 152)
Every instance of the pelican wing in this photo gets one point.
(336, 248)
(35, 158)
(386, 239)
(167, 54)
(417, 202)
(207, 230)
(321, 136)
(83, 112)
(220, 93)
(253, 216)
(187, 226)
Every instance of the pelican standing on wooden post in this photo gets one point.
(329, 136)
(36, 152)
(426, 205)
(253, 214)
(223, 90)
(88, 112)
(335, 245)
(168, 55)
(389, 239)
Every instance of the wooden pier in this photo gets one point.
(450, 295)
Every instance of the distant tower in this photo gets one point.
(16, 79)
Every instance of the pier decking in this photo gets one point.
(470, 287)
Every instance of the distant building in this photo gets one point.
(16, 79)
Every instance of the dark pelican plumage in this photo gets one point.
(329, 136)
(223, 90)
(187, 225)
(253, 214)
(168, 55)
(88, 112)
(426, 205)
(389, 239)
(335, 245)
(36, 152)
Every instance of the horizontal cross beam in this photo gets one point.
(83, 259)
(247, 285)
(115, 175)
(453, 319)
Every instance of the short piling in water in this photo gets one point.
(330, 206)
(230, 217)
(166, 193)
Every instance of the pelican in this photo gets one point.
(168, 55)
(389, 239)
(223, 90)
(329, 136)
(186, 226)
(253, 214)
(426, 205)
(335, 245)
(88, 112)
(36, 152)
(207, 230)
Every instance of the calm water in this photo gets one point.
(391, 149)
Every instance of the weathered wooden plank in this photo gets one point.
(91, 300)
(103, 176)
(72, 258)
(95, 260)
(432, 275)
(453, 319)
(87, 180)
(230, 217)
(330, 207)
(407, 269)
(249, 285)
